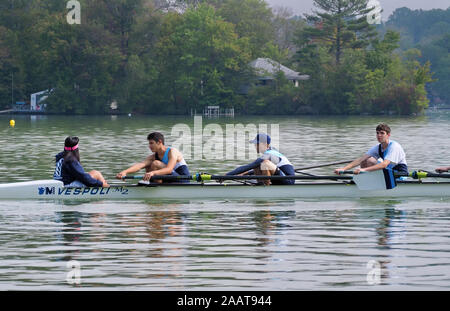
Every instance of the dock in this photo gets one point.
(215, 111)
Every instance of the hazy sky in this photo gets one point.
(304, 6)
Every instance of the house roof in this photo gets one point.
(266, 68)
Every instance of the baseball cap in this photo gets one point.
(261, 138)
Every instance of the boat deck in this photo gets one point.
(51, 189)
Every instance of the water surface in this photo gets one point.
(319, 244)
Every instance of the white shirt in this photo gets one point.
(394, 153)
(275, 157)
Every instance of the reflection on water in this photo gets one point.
(321, 244)
(226, 246)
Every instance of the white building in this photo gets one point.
(266, 69)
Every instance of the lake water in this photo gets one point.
(314, 244)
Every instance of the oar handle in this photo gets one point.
(133, 177)
(346, 172)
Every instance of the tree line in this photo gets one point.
(168, 57)
(429, 33)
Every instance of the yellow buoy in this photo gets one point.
(12, 123)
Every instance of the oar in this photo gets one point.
(207, 177)
(385, 179)
(321, 165)
(421, 174)
(413, 174)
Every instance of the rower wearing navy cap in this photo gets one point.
(271, 163)
(164, 160)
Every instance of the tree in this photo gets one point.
(252, 20)
(340, 24)
(285, 25)
(437, 53)
(199, 59)
(7, 68)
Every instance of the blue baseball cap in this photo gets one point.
(261, 138)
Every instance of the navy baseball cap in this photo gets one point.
(261, 138)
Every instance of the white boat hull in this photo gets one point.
(52, 189)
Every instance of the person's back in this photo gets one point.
(71, 171)
(59, 159)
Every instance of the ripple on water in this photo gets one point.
(319, 244)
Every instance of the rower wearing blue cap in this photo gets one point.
(271, 163)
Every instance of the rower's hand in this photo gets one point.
(441, 169)
(105, 184)
(358, 170)
(148, 175)
(121, 175)
(338, 171)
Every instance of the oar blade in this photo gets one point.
(376, 180)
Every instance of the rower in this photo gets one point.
(271, 163)
(69, 170)
(387, 154)
(164, 160)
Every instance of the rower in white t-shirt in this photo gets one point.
(386, 154)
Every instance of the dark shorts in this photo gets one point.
(401, 168)
(180, 171)
(282, 181)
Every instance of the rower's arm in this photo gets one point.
(443, 169)
(378, 166)
(245, 168)
(80, 175)
(136, 167)
(173, 155)
(353, 164)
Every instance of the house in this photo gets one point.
(266, 70)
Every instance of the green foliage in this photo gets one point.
(428, 31)
(160, 57)
(199, 60)
(252, 20)
(418, 26)
(354, 72)
(340, 25)
(279, 97)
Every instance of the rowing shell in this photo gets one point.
(52, 189)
